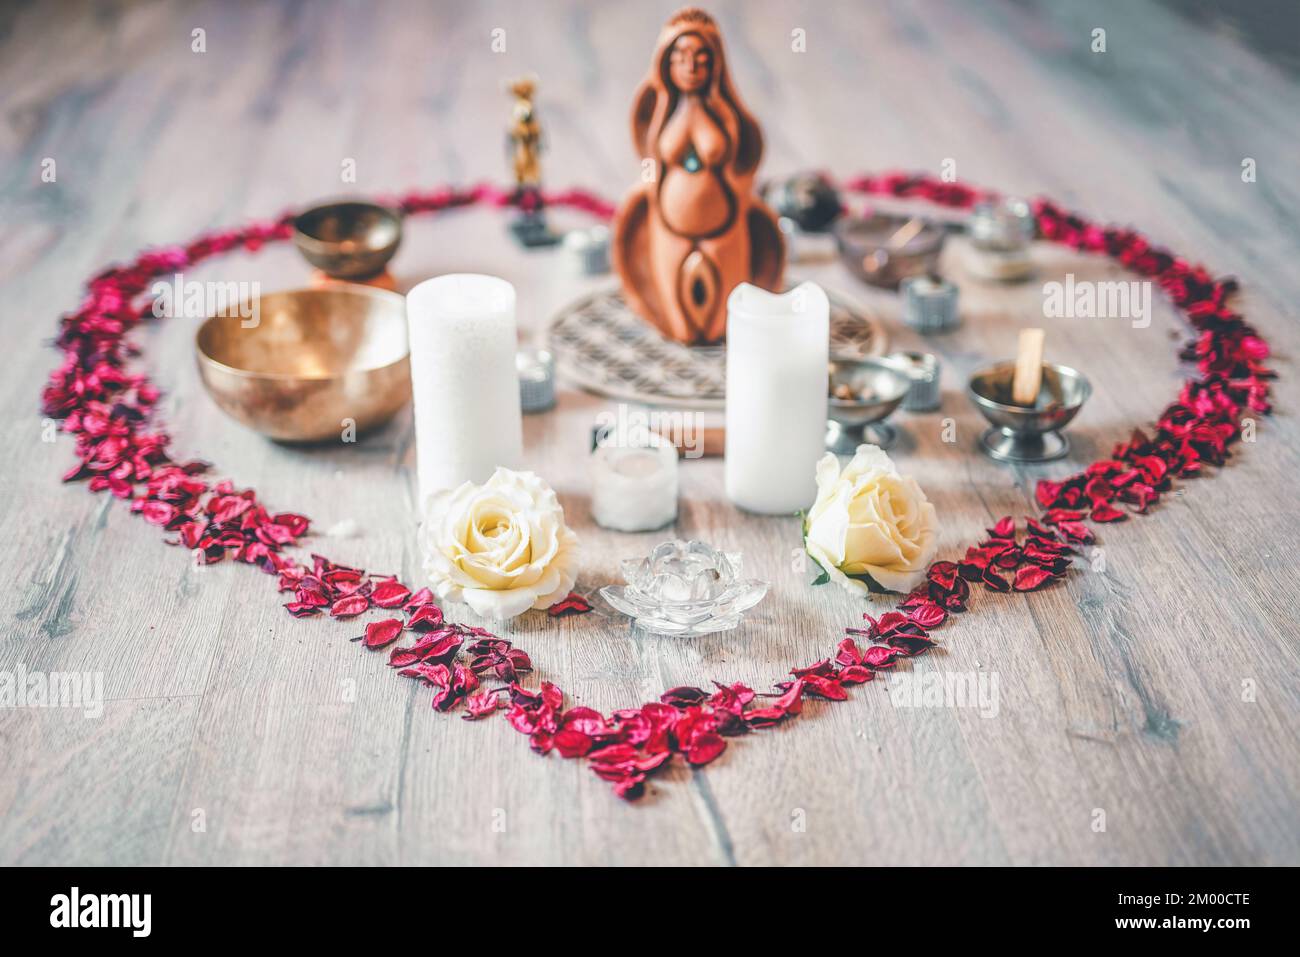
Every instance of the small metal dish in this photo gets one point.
(348, 240)
(1027, 434)
(879, 387)
(879, 251)
(310, 363)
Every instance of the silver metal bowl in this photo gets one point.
(879, 388)
(1027, 433)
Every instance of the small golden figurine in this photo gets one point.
(524, 146)
(525, 137)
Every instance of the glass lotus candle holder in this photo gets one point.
(685, 588)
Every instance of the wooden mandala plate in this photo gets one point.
(601, 345)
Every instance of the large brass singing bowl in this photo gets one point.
(309, 365)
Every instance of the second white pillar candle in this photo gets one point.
(463, 380)
(778, 348)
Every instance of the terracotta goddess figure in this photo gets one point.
(686, 237)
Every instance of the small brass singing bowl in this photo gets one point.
(1027, 434)
(878, 388)
(348, 240)
(308, 363)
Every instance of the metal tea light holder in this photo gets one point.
(863, 393)
(922, 369)
(929, 304)
(1027, 434)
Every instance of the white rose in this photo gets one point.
(869, 520)
(501, 547)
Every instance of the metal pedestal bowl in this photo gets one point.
(878, 389)
(1027, 434)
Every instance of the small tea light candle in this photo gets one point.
(1000, 234)
(778, 348)
(929, 304)
(464, 384)
(634, 488)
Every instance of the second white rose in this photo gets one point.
(870, 521)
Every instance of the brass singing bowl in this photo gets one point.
(348, 240)
(309, 365)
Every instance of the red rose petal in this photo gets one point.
(1105, 512)
(390, 594)
(572, 604)
(705, 748)
(424, 618)
(381, 633)
(349, 607)
(928, 615)
(1030, 577)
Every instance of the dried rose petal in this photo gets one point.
(422, 597)
(943, 574)
(1076, 532)
(381, 633)
(572, 743)
(572, 604)
(482, 704)
(684, 696)
(856, 675)
(425, 617)
(880, 656)
(390, 594)
(349, 607)
(1029, 577)
(705, 747)
(1105, 512)
(1005, 528)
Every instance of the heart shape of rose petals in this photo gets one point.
(108, 410)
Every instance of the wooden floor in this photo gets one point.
(1156, 691)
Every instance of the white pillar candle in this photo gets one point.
(463, 380)
(778, 348)
(634, 488)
